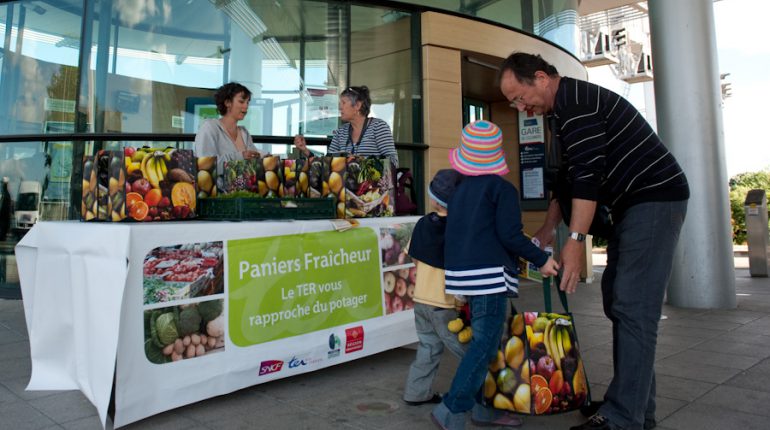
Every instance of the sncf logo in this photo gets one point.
(270, 366)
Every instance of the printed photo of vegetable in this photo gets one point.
(398, 289)
(183, 271)
(394, 242)
(186, 331)
(369, 187)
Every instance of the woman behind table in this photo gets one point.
(223, 137)
(361, 135)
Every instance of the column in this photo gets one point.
(689, 113)
(246, 69)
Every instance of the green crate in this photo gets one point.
(254, 209)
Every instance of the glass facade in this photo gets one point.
(80, 75)
(121, 72)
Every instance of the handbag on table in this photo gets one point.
(538, 369)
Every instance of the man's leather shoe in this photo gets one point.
(593, 407)
(596, 422)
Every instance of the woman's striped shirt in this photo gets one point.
(377, 141)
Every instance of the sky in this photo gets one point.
(743, 51)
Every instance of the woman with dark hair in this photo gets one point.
(223, 137)
(361, 135)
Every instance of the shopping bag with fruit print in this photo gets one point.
(538, 369)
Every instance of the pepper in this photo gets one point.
(364, 187)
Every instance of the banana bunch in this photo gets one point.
(557, 340)
(153, 165)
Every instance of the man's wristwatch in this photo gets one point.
(580, 237)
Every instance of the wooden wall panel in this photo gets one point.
(441, 64)
(442, 113)
(467, 35)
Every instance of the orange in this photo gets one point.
(538, 383)
(152, 198)
(132, 198)
(543, 399)
(139, 210)
(557, 382)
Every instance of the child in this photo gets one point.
(433, 309)
(484, 239)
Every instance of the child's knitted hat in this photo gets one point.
(480, 151)
(443, 185)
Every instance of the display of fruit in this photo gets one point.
(116, 206)
(161, 184)
(335, 170)
(295, 178)
(317, 185)
(273, 176)
(539, 350)
(102, 161)
(398, 292)
(89, 205)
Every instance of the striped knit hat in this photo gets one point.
(480, 151)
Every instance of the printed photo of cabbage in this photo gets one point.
(186, 331)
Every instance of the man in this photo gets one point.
(616, 174)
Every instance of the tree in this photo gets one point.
(740, 185)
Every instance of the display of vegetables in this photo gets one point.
(185, 331)
(394, 242)
(183, 271)
(369, 187)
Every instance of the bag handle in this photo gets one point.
(547, 294)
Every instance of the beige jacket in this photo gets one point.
(429, 287)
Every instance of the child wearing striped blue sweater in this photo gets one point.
(484, 240)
